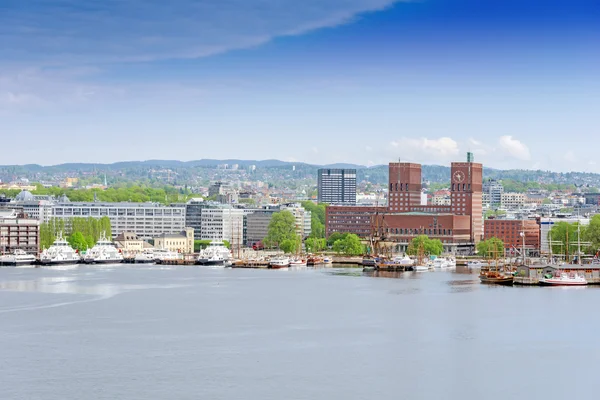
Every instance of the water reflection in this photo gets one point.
(462, 286)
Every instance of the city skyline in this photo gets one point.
(515, 82)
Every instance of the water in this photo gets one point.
(150, 332)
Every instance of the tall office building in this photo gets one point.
(337, 186)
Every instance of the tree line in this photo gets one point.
(81, 233)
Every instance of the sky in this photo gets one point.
(517, 82)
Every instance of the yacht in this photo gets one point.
(164, 255)
(215, 254)
(59, 253)
(19, 257)
(279, 262)
(103, 252)
(145, 257)
(564, 279)
(327, 260)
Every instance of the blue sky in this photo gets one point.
(320, 81)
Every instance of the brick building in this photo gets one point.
(459, 226)
(509, 231)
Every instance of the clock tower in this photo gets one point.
(466, 194)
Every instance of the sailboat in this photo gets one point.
(493, 275)
(422, 265)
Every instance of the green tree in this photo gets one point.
(317, 223)
(77, 241)
(314, 245)
(291, 245)
(281, 228)
(431, 247)
(334, 237)
(349, 245)
(563, 236)
(492, 247)
(592, 234)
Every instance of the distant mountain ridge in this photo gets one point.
(375, 174)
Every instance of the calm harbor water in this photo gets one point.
(151, 332)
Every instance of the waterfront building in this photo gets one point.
(147, 220)
(257, 223)
(129, 242)
(182, 242)
(223, 223)
(336, 186)
(18, 232)
(459, 226)
(509, 231)
(351, 219)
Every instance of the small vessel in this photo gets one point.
(164, 255)
(403, 260)
(440, 263)
(474, 264)
(103, 252)
(327, 260)
(369, 261)
(279, 262)
(421, 268)
(298, 262)
(564, 279)
(18, 257)
(495, 277)
(216, 254)
(145, 257)
(313, 260)
(60, 253)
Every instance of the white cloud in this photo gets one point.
(426, 150)
(64, 31)
(514, 148)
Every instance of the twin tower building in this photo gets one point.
(459, 226)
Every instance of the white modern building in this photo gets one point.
(510, 200)
(223, 223)
(147, 220)
(303, 218)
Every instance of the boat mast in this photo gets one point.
(523, 235)
(578, 244)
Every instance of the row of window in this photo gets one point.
(419, 231)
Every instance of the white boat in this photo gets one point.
(164, 255)
(443, 263)
(18, 257)
(59, 253)
(421, 268)
(564, 279)
(279, 262)
(103, 252)
(327, 260)
(215, 254)
(404, 260)
(474, 264)
(297, 262)
(145, 257)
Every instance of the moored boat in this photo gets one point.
(564, 279)
(216, 254)
(18, 257)
(495, 277)
(103, 252)
(298, 262)
(60, 253)
(279, 262)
